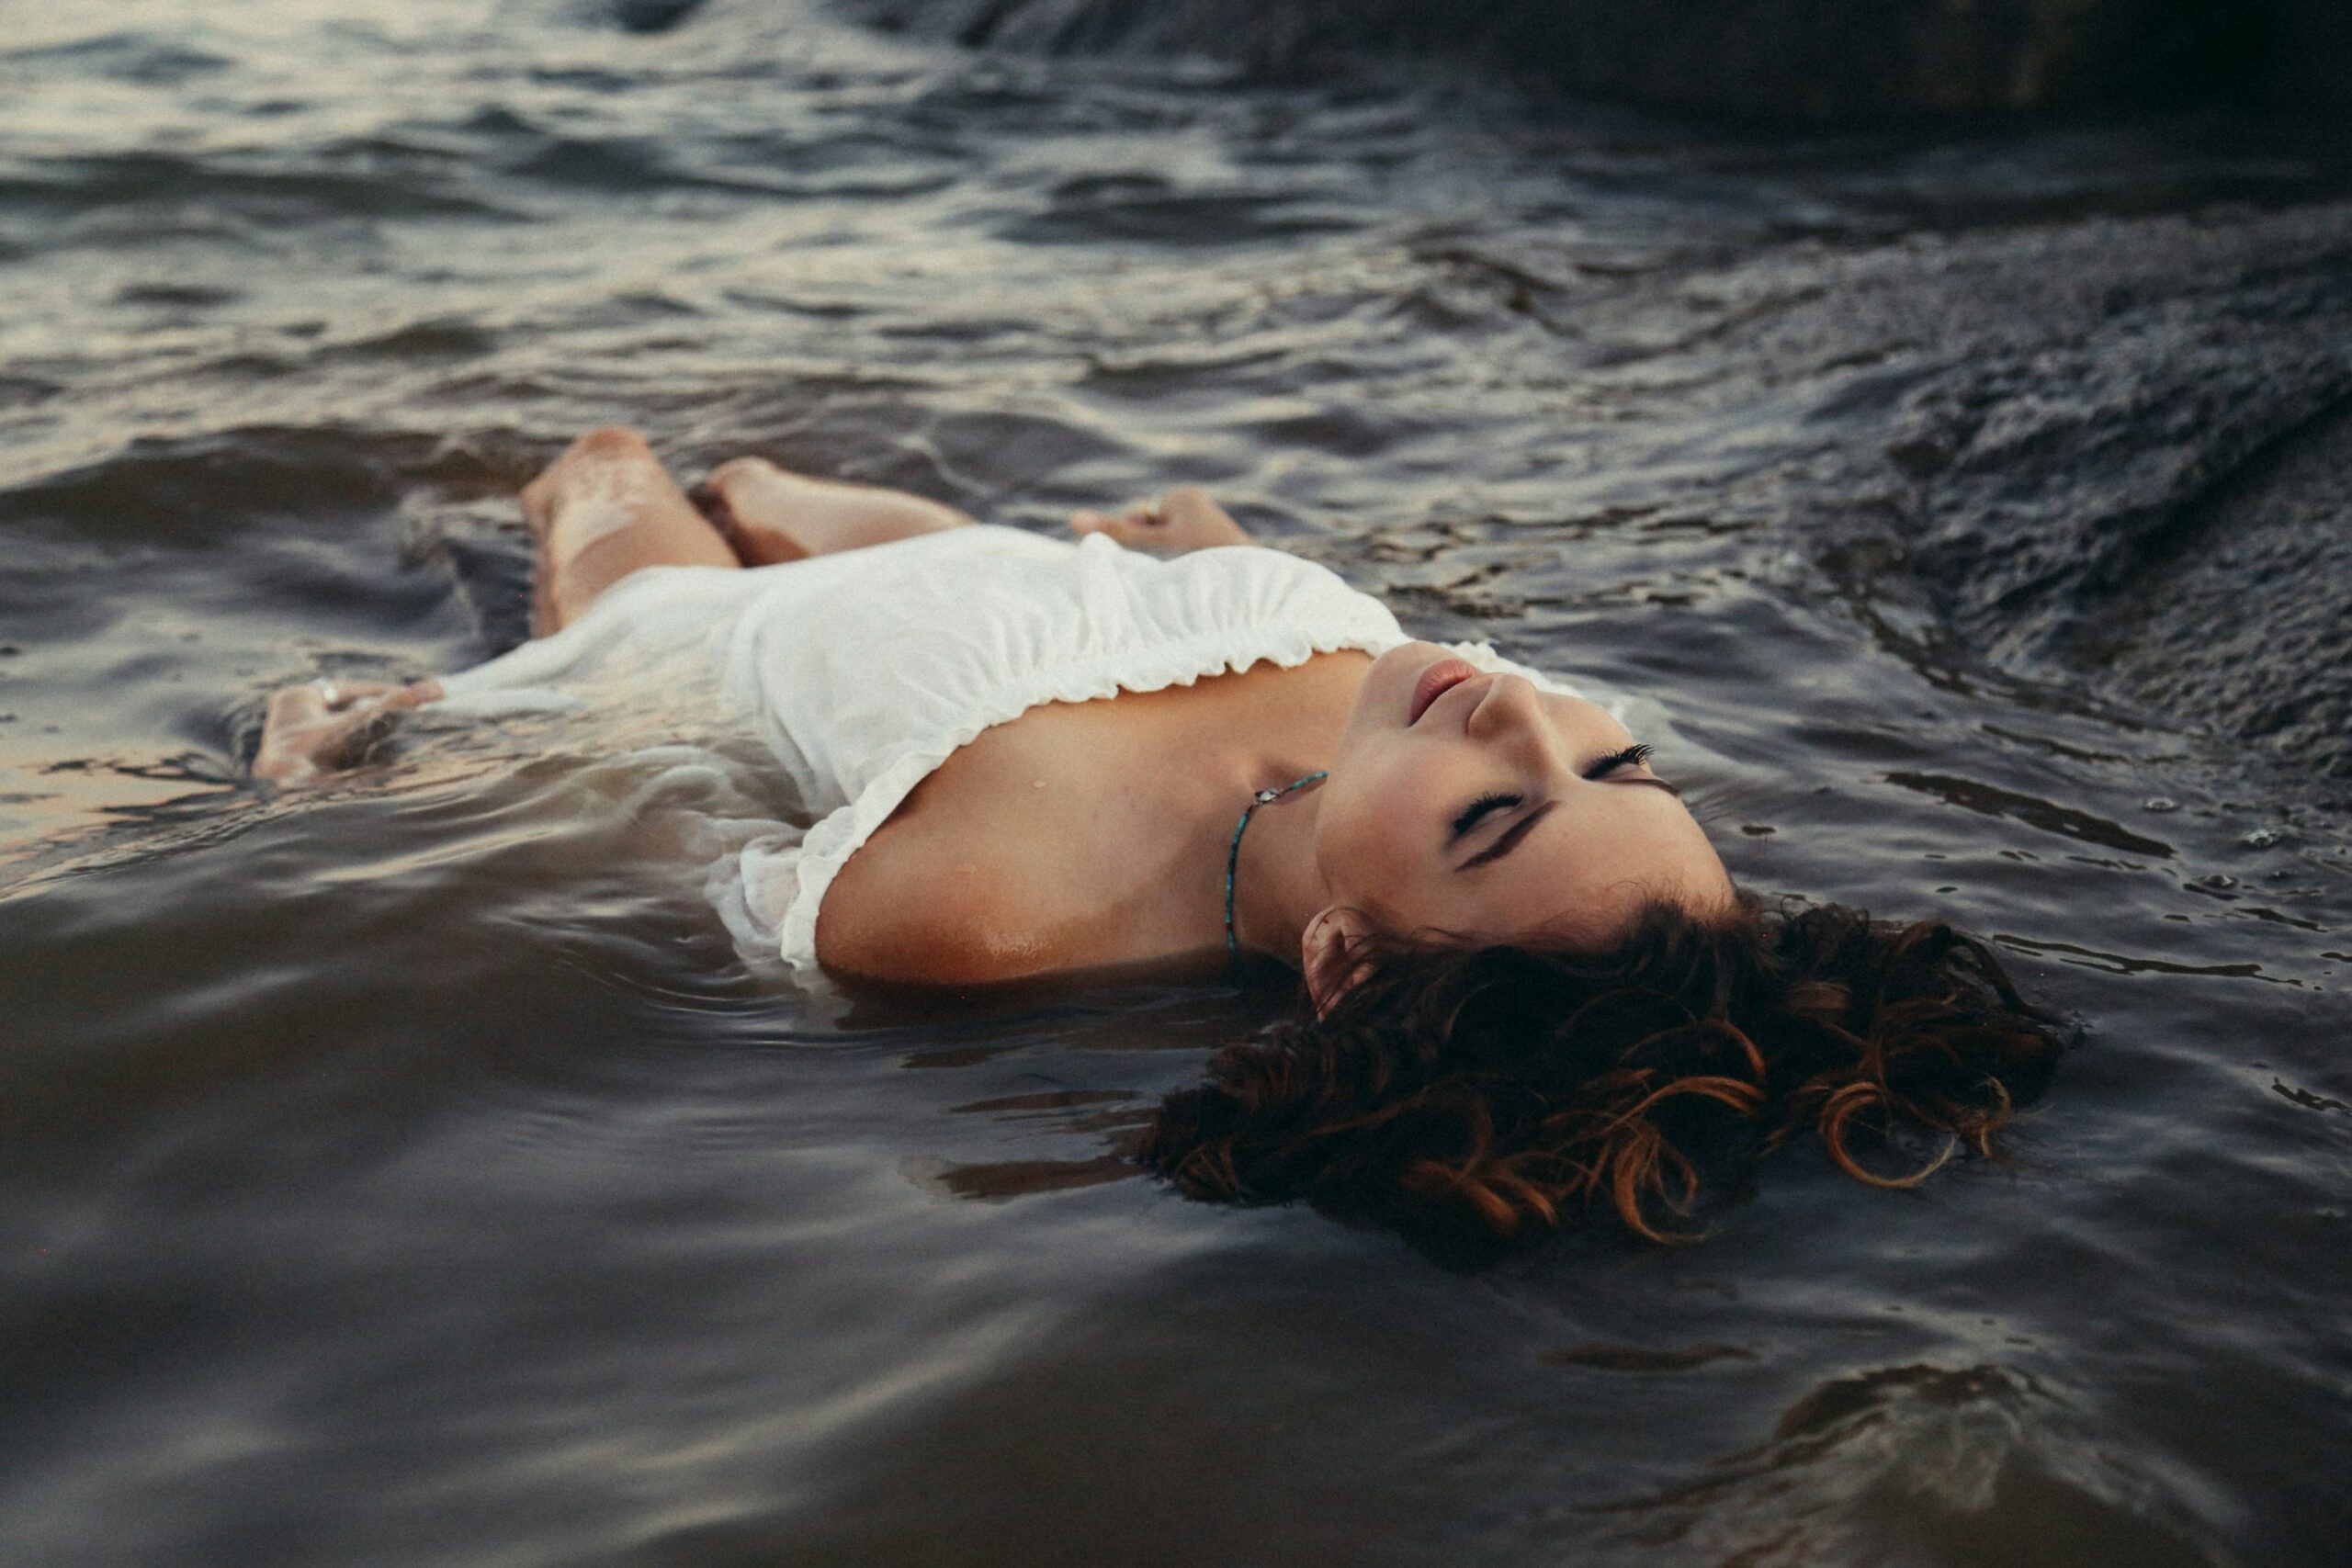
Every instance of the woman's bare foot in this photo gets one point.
(1179, 522)
(603, 509)
(320, 726)
(772, 514)
(740, 487)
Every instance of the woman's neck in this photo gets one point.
(1294, 731)
(1277, 886)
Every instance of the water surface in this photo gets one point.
(412, 1173)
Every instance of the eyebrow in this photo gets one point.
(1509, 840)
(1521, 829)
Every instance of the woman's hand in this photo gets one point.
(1181, 521)
(314, 728)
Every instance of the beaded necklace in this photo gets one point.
(1232, 855)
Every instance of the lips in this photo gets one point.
(1435, 681)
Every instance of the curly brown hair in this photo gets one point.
(1490, 1094)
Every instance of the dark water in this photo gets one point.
(413, 1173)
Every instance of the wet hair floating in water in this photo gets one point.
(1488, 1096)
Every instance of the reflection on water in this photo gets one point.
(414, 1173)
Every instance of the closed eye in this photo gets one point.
(1478, 810)
(1632, 756)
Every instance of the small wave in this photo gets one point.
(167, 486)
(1141, 208)
(121, 57)
(1925, 1452)
(59, 186)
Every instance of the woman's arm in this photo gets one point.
(1178, 522)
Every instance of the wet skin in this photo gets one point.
(1464, 807)
(1087, 835)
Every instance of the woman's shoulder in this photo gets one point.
(959, 888)
(904, 913)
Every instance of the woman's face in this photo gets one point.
(1477, 805)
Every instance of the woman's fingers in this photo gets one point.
(343, 696)
(347, 696)
(417, 694)
(323, 724)
(295, 705)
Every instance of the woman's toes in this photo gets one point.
(742, 470)
(710, 498)
(1138, 524)
(763, 510)
(733, 488)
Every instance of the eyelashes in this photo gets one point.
(1632, 756)
(1478, 810)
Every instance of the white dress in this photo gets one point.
(864, 670)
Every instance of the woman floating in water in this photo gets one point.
(1529, 983)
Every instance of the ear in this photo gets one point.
(1323, 950)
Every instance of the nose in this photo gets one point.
(1511, 713)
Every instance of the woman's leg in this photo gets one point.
(605, 509)
(772, 514)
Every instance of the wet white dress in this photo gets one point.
(863, 671)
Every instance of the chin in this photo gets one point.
(1384, 700)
